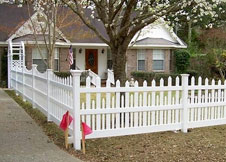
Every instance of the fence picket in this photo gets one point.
(136, 105)
(103, 125)
(140, 113)
(199, 99)
(149, 112)
(122, 115)
(219, 100)
(169, 113)
(157, 115)
(144, 104)
(153, 103)
(98, 103)
(131, 113)
(206, 100)
(93, 116)
(108, 104)
(117, 105)
(177, 100)
(127, 105)
(88, 99)
(212, 100)
(113, 115)
(161, 117)
(165, 112)
(222, 107)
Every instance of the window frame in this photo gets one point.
(141, 52)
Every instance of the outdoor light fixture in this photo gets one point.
(80, 50)
(102, 51)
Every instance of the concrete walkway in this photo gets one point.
(22, 140)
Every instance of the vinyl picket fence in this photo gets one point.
(122, 110)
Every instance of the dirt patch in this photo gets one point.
(203, 144)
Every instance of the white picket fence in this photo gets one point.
(123, 110)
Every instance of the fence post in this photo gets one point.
(49, 74)
(76, 108)
(23, 80)
(9, 63)
(16, 81)
(184, 115)
(34, 67)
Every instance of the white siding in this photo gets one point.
(102, 63)
(80, 58)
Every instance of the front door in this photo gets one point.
(92, 60)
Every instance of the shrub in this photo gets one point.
(149, 76)
(182, 60)
(84, 75)
(193, 73)
(62, 74)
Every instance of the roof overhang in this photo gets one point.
(157, 46)
(84, 44)
(3, 44)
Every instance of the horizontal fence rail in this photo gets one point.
(116, 110)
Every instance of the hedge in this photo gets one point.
(149, 76)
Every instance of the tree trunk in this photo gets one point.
(119, 63)
(51, 59)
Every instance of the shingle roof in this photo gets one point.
(11, 18)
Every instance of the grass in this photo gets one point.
(203, 144)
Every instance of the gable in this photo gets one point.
(156, 32)
(31, 26)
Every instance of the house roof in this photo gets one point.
(14, 19)
(11, 18)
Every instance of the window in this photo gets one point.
(37, 59)
(141, 60)
(158, 60)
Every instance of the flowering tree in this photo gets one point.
(197, 17)
(122, 19)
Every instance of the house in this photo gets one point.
(150, 50)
